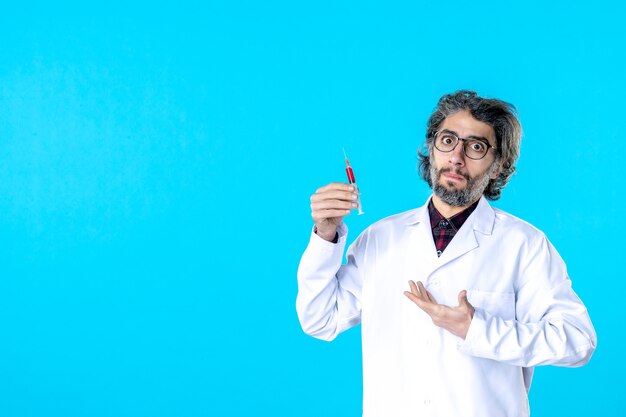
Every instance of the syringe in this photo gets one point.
(352, 181)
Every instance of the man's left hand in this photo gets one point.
(456, 320)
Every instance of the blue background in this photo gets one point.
(156, 162)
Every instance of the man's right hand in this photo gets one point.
(329, 205)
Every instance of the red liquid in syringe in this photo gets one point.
(350, 173)
(352, 181)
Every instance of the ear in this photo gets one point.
(497, 172)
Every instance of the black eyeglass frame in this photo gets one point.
(465, 140)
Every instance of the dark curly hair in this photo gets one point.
(500, 115)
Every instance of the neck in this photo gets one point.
(446, 209)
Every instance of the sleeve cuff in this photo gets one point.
(476, 330)
(323, 244)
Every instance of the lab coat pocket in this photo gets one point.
(501, 304)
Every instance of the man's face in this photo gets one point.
(458, 180)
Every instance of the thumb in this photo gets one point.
(463, 299)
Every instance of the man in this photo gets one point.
(487, 299)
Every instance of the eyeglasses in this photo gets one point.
(472, 148)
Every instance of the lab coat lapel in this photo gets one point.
(421, 257)
(422, 260)
(481, 220)
(463, 242)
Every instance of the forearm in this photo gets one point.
(557, 340)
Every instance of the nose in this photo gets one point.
(456, 156)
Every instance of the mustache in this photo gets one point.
(453, 171)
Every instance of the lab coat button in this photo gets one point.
(434, 283)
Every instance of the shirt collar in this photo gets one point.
(483, 219)
(455, 221)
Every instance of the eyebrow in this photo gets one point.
(481, 138)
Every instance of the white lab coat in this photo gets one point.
(526, 313)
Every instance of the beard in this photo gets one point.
(460, 197)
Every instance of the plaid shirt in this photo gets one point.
(445, 229)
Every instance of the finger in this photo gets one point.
(333, 205)
(413, 287)
(463, 299)
(320, 215)
(416, 299)
(431, 297)
(334, 195)
(428, 296)
(424, 305)
(342, 186)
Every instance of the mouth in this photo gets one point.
(453, 177)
